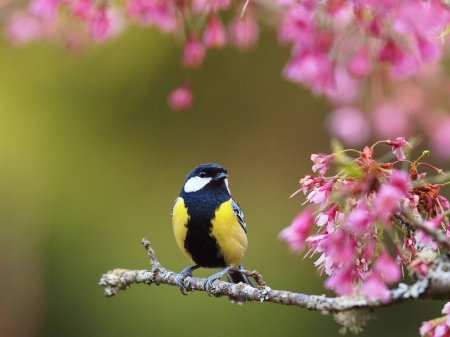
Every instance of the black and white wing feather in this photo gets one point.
(237, 210)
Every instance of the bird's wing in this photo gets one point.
(237, 210)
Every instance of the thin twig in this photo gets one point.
(436, 285)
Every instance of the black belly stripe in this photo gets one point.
(199, 243)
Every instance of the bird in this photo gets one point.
(209, 227)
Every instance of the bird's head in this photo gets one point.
(206, 175)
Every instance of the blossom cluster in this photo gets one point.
(379, 63)
(357, 220)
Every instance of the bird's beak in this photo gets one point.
(221, 176)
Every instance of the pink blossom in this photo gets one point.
(402, 65)
(401, 180)
(359, 220)
(360, 65)
(244, 33)
(430, 48)
(180, 98)
(205, 7)
(214, 35)
(427, 329)
(446, 309)
(390, 120)
(321, 163)
(440, 138)
(160, 13)
(387, 200)
(328, 218)
(397, 147)
(320, 195)
(340, 282)
(374, 288)
(295, 235)
(46, 9)
(194, 52)
(313, 69)
(298, 26)
(348, 125)
(340, 246)
(346, 88)
(23, 28)
(386, 267)
(99, 24)
(82, 9)
(432, 224)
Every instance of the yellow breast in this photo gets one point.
(230, 236)
(180, 218)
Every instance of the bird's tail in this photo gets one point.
(235, 276)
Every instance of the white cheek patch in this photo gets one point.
(226, 184)
(195, 183)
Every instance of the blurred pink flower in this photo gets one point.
(386, 267)
(154, 12)
(244, 33)
(99, 24)
(180, 98)
(340, 282)
(360, 64)
(321, 162)
(214, 35)
(359, 220)
(194, 52)
(346, 88)
(82, 9)
(401, 63)
(295, 235)
(313, 69)
(375, 289)
(298, 26)
(204, 7)
(401, 180)
(440, 138)
(433, 224)
(386, 201)
(390, 121)
(23, 28)
(349, 125)
(45, 9)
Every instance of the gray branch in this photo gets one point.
(435, 285)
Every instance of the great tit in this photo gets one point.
(209, 226)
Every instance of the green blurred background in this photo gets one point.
(91, 160)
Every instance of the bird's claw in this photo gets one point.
(180, 280)
(208, 284)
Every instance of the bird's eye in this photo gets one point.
(202, 174)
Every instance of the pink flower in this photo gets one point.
(160, 13)
(427, 329)
(82, 9)
(23, 28)
(360, 65)
(321, 194)
(46, 9)
(341, 247)
(328, 218)
(386, 267)
(374, 288)
(340, 282)
(214, 35)
(402, 64)
(359, 220)
(401, 180)
(390, 120)
(244, 33)
(313, 69)
(295, 235)
(387, 201)
(204, 7)
(430, 48)
(446, 309)
(99, 24)
(320, 163)
(432, 224)
(440, 138)
(194, 52)
(180, 98)
(298, 26)
(346, 88)
(397, 147)
(348, 125)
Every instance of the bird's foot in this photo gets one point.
(212, 278)
(180, 278)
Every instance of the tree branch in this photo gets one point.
(436, 285)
